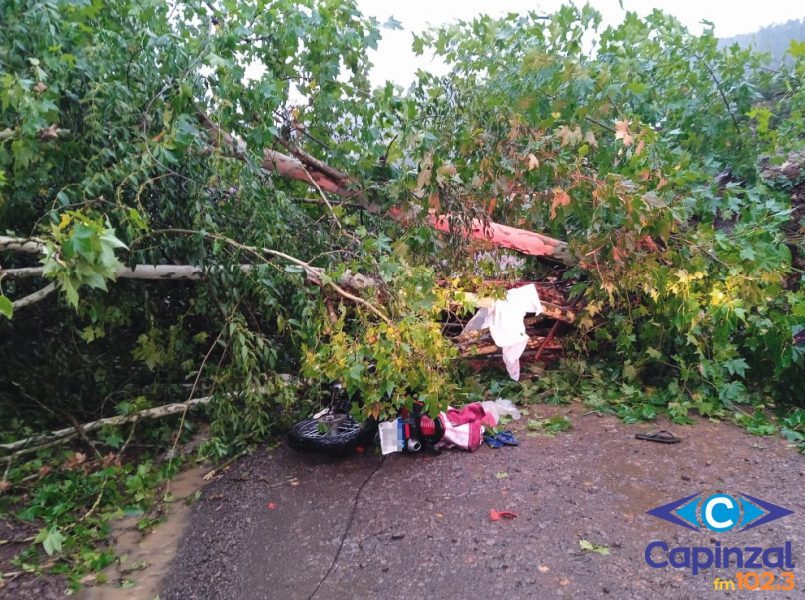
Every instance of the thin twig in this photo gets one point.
(724, 98)
(323, 197)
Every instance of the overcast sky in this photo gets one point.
(394, 59)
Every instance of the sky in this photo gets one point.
(394, 59)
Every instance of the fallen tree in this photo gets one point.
(311, 171)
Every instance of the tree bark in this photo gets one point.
(14, 244)
(35, 297)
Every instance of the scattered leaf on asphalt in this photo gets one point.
(543, 568)
(501, 474)
(590, 547)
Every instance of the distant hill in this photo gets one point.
(774, 39)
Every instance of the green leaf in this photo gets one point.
(51, 540)
(6, 307)
(591, 547)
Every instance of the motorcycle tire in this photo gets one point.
(306, 436)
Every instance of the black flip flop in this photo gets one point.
(662, 437)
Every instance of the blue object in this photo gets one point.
(492, 441)
(507, 439)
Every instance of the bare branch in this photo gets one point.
(35, 297)
(311, 271)
(55, 437)
(15, 244)
(22, 273)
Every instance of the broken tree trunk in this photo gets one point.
(504, 236)
(309, 170)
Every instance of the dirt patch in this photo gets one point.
(422, 527)
(14, 583)
(145, 557)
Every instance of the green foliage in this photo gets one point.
(550, 426)
(687, 283)
(793, 428)
(390, 365)
(80, 252)
(589, 546)
(6, 307)
(651, 150)
(74, 500)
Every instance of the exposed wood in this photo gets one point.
(533, 344)
(308, 169)
(314, 163)
(560, 313)
(547, 341)
(292, 168)
(504, 236)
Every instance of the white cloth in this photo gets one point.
(505, 322)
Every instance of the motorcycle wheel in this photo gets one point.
(307, 435)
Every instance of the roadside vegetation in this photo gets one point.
(157, 247)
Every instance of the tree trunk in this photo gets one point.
(310, 170)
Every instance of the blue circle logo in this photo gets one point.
(720, 512)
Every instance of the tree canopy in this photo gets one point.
(150, 135)
(206, 204)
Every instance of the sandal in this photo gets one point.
(507, 439)
(662, 437)
(492, 441)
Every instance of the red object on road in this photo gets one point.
(495, 515)
(271, 505)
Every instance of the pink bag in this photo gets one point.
(464, 428)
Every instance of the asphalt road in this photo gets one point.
(271, 526)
